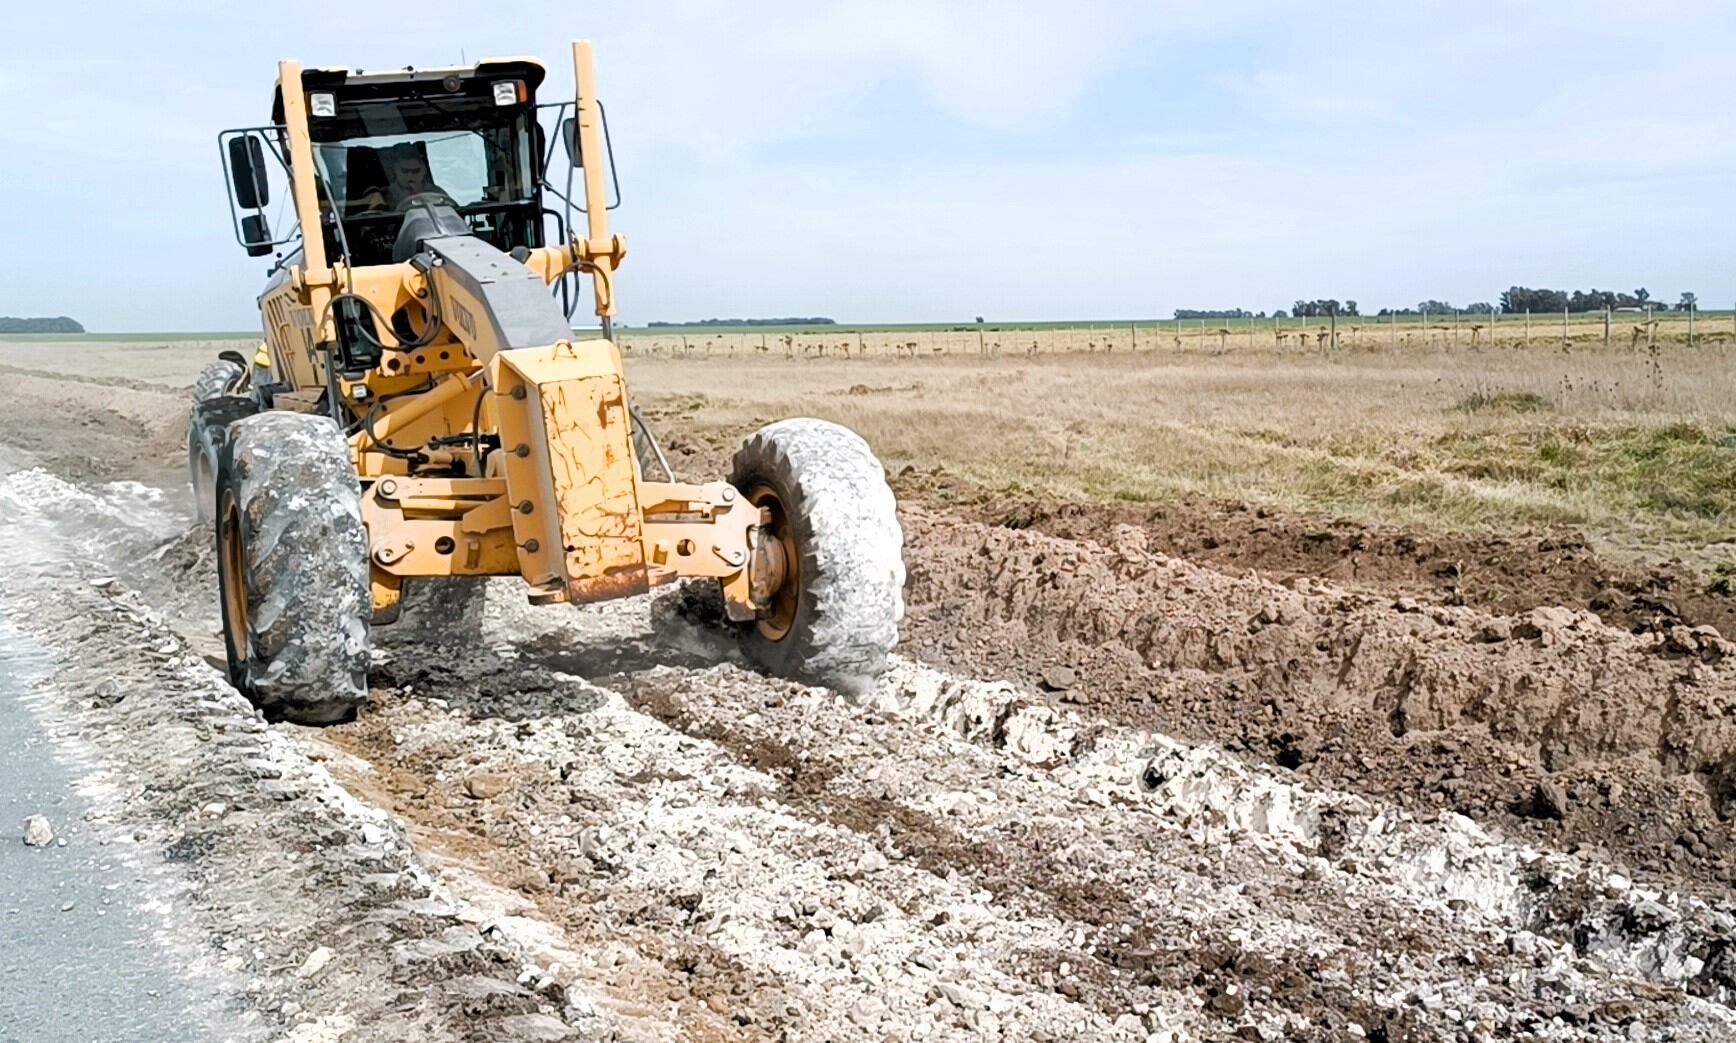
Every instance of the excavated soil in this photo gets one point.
(1552, 724)
(1510, 574)
(1117, 784)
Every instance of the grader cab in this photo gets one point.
(421, 406)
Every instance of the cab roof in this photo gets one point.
(530, 70)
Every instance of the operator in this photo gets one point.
(409, 177)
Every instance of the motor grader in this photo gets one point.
(421, 406)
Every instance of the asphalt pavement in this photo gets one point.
(80, 955)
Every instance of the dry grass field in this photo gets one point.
(1636, 449)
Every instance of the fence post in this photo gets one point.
(1690, 325)
(1606, 325)
(1455, 327)
(1564, 328)
(1528, 327)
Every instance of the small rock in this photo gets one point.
(1059, 678)
(37, 832)
(1548, 800)
(486, 785)
(1553, 617)
(1228, 1003)
(316, 961)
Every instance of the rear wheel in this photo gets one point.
(834, 616)
(204, 429)
(292, 568)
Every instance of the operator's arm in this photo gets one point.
(375, 199)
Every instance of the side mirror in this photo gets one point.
(247, 171)
(570, 136)
(256, 235)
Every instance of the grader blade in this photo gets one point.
(571, 478)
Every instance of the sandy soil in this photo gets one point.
(1115, 787)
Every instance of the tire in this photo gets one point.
(204, 437)
(836, 617)
(292, 568)
(216, 379)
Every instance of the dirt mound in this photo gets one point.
(1550, 724)
(91, 429)
(1510, 574)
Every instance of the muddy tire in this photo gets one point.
(204, 434)
(836, 616)
(292, 568)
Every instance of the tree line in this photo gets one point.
(56, 324)
(753, 322)
(1514, 300)
(1524, 298)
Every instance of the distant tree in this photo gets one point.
(979, 320)
(1689, 301)
(1350, 307)
(1280, 313)
(1642, 295)
(57, 324)
(1480, 308)
(1213, 313)
(1325, 307)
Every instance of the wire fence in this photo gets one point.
(1632, 330)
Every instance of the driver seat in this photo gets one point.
(364, 174)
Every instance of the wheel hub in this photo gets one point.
(774, 570)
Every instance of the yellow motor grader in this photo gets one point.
(421, 406)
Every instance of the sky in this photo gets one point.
(911, 161)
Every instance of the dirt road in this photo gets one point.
(1104, 793)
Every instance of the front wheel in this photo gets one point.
(833, 617)
(292, 568)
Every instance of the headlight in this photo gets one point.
(322, 105)
(508, 92)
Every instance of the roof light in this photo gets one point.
(506, 92)
(322, 105)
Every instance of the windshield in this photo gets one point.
(374, 156)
